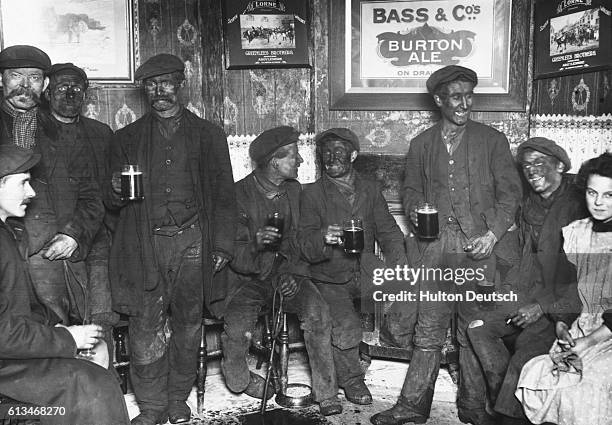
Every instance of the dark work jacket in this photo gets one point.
(249, 263)
(494, 184)
(26, 326)
(132, 261)
(554, 284)
(68, 198)
(322, 204)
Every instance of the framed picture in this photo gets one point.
(99, 36)
(382, 52)
(572, 36)
(266, 34)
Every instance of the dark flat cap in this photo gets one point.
(163, 63)
(68, 68)
(22, 56)
(338, 133)
(547, 147)
(270, 140)
(448, 74)
(15, 159)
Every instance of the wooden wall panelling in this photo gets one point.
(213, 76)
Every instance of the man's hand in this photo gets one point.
(527, 315)
(333, 235)
(61, 247)
(563, 335)
(288, 285)
(414, 218)
(265, 236)
(85, 336)
(116, 182)
(483, 246)
(220, 261)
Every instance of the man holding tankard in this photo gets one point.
(339, 272)
(171, 240)
(267, 263)
(466, 171)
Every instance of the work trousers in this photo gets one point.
(89, 393)
(165, 339)
(501, 367)
(346, 332)
(312, 311)
(433, 319)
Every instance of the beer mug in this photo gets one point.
(131, 183)
(353, 235)
(276, 219)
(485, 289)
(427, 216)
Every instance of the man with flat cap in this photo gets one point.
(37, 354)
(168, 246)
(64, 219)
(267, 264)
(338, 195)
(86, 141)
(465, 169)
(544, 280)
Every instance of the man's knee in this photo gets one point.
(316, 318)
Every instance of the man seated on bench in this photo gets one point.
(340, 273)
(544, 280)
(267, 261)
(37, 355)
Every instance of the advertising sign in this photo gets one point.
(572, 36)
(265, 34)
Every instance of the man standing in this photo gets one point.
(85, 141)
(37, 355)
(466, 170)
(267, 261)
(168, 246)
(64, 219)
(545, 281)
(340, 194)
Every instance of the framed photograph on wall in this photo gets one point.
(99, 36)
(382, 52)
(266, 34)
(572, 37)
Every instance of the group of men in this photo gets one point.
(82, 253)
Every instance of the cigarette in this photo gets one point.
(508, 321)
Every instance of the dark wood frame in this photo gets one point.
(514, 100)
(234, 55)
(543, 65)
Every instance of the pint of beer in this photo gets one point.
(353, 236)
(427, 216)
(131, 183)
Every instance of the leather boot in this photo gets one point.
(398, 415)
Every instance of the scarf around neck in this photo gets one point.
(24, 125)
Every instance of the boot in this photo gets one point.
(398, 415)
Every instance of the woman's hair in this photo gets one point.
(601, 166)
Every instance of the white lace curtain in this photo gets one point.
(582, 137)
(242, 164)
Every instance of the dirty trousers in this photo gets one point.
(164, 340)
(312, 311)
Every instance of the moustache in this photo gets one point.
(24, 91)
(164, 98)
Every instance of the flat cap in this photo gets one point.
(68, 68)
(163, 63)
(547, 147)
(338, 133)
(15, 159)
(22, 56)
(270, 140)
(450, 73)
